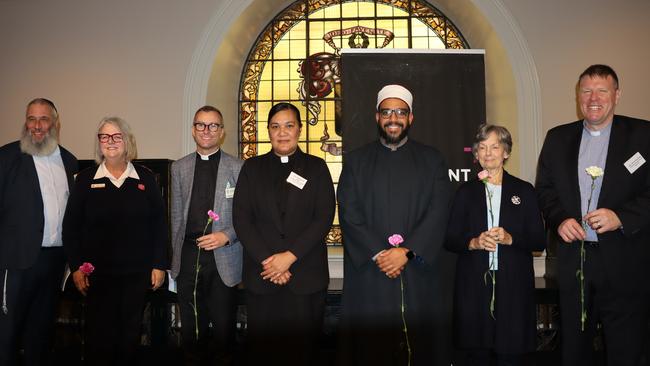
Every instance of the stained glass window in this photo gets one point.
(296, 59)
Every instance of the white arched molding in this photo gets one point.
(200, 68)
(529, 102)
(505, 26)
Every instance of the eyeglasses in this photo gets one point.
(104, 137)
(399, 112)
(213, 127)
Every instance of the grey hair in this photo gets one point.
(130, 147)
(484, 130)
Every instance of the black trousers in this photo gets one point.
(624, 317)
(32, 297)
(284, 328)
(216, 305)
(114, 307)
(483, 357)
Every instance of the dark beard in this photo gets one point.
(392, 140)
(43, 148)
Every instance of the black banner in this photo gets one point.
(448, 89)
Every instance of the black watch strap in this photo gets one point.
(410, 255)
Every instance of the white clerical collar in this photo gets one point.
(596, 133)
(285, 158)
(393, 147)
(129, 172)
(592, 132)
(207, 157)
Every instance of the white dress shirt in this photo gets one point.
(54, 191)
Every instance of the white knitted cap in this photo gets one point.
(395, 91)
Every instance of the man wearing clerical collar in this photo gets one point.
(394, 186)
(202, 181)
(35, 180)
(593, 185)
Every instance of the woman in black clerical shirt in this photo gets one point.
(282, 211)
(115, 221)
(494, 226)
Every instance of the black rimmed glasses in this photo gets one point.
(399, 112)
(104, 138)
(213, 127)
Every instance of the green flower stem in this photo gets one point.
(583, 256)
(194, 306)
(491, 272)
(583, 312)
(405, 329)
(196, 281)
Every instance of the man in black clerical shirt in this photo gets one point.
(203, 181)
(396, 309)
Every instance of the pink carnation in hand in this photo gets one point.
(86, 268)
(483, 175)
(395, 240)
(213, 216)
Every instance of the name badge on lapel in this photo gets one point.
(634, 163)
(230, 191)
(98, 185)
(297, 180)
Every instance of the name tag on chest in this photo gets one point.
(634, 163)
(230, 191)
(296, 180)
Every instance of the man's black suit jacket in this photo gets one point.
(262, 231)
(21, 205)
(626, 251)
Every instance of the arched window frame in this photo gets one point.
(262, 52)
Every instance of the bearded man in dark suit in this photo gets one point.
(35, 179)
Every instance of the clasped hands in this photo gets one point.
(488, 240)
(601, 221)
(392, 261)
(276, 267)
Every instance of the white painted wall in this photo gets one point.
(567, 36)
(138, 60)
(99, 58)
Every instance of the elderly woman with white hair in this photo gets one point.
(495, 225)
(115, 240)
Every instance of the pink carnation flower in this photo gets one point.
(213, 216)
(395, 240)
(86, 268)
(483, 175)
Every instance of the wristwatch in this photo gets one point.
(410, 255)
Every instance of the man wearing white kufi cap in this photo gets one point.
(394, 186)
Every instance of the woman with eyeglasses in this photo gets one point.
(115, 221)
